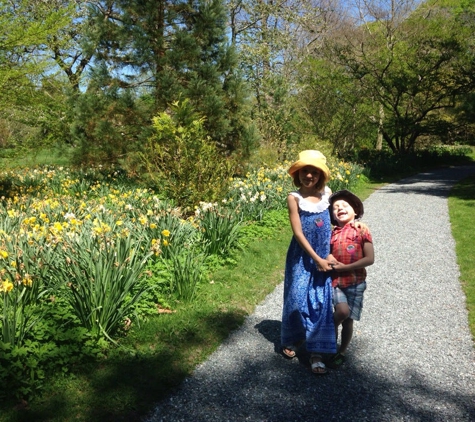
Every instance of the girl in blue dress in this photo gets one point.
(307, 314)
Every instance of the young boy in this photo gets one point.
(351, 250)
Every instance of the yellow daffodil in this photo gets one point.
(6, 286)
(27, 280)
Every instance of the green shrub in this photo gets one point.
(382, 164)
(181, 161)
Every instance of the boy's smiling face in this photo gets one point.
(343, 212)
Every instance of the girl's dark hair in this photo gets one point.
(320, 186)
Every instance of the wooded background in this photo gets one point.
(258, 77)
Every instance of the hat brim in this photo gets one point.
(349, 197)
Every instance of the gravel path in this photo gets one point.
(411, 359)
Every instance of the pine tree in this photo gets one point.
(172, 51)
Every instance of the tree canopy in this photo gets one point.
(410, 68)
(24, 35)
(94, 74)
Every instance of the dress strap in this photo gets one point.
(313, 207)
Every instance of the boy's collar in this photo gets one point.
(351, 223)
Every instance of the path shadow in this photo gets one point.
(446, 178)
(270, 330)
(277, 390)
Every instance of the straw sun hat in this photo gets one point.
(313, 158)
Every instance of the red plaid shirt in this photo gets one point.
(347, 247)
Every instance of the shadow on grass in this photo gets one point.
(465, 190)
(127, 385)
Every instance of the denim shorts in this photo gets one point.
(353, 296)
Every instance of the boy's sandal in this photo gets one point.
(336, 361)
(318, 367)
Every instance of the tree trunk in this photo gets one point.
(379, 140)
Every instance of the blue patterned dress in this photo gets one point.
(307, 309)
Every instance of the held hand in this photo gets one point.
(338, 266)
(324, 265)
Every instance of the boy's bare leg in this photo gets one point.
(340, 317)
(346, 334)
(341, 313)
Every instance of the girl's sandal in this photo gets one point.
(318, 367)
(291, 351)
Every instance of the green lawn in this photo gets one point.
(45, 156)
(462, 217)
